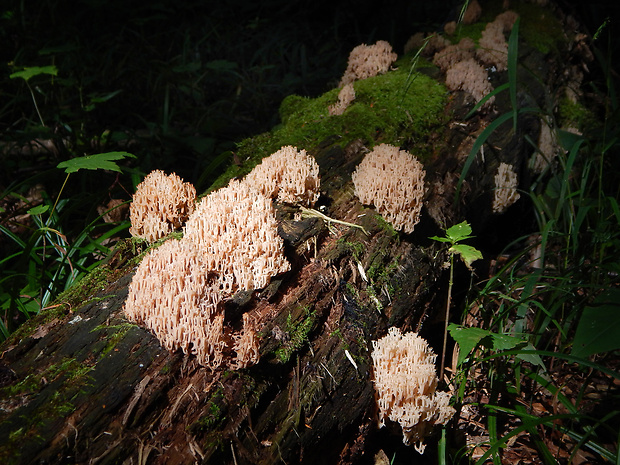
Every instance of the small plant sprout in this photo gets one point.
(469, 254)
(31, 72)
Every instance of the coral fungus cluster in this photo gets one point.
(230, 244)
(505, 193)
(466, 62)
(406, 382)
(236, 231)
(393, 181)
(289, 175)
(368, 60)
(160, 205)
(345, 97)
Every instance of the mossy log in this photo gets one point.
(86, 386)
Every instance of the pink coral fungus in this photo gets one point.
(288, 175)
(160, 205)
(174, 295)
(368, 60)
(471, 77)
(236, 231)
(493, 50)
(345, 97)
(406, 382)
(393, 181)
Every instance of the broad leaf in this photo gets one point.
(440, 239)
(468, 253)
(466, 338)
(599, 326)
(469, 338)
(100, 161)
(38, 210)
(33, 71)
(458, 232)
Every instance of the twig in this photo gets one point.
(312, 213)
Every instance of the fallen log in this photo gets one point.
(81, 384)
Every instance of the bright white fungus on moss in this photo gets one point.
(368, 60)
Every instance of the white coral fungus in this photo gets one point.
(471, 77)
(160, 205)
(406, 382)
(236, 231)
(345, 97)
(174, 295)
(505, 188)
(452, 54)
(368, 60)
(393, 181)
(547, 148)
(493, 49)
(288, 175)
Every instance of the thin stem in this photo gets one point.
(445, 329)
(34, 100)
(57, 199)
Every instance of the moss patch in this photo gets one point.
(393, 108)
(43, 398)
(298, 334)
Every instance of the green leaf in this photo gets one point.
(598, 329)
(468, 253)
(100, 97)
(440, 239)
(100, 161)
(466, 338)
(33, 71)
(38, 210)
(459, 232)
(469, 338)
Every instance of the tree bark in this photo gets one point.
(86, 386)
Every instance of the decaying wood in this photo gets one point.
(89, 387)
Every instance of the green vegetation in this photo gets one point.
(544, 327)
(454, 236)
(388, 108)
(183, 87)
(60, 382)
(297, 331)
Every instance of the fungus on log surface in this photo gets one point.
(80, 383)
(368, 60)
(160, 205)
(393, 181)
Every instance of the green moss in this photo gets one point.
(473, 31)
(355, 249)
(539, 27)
(391, 108)
(32, 383)
(385, 108)
(60, 383)
(298, 334)
(118, 333)
(573, 114)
